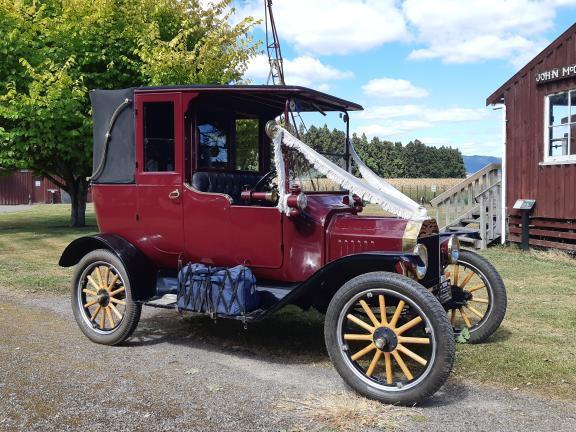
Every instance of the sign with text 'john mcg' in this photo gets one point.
(556, 74)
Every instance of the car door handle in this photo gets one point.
(175, 194)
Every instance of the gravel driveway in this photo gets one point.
(186, 373)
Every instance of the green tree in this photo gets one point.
(247, 132)
(388, 159)
(54, 51)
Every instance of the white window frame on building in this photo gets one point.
(565, 158)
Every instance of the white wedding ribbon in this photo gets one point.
(373, 188)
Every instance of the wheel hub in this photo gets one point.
(459, 297)
(103, 297)
(385, 339)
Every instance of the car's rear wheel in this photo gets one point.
(102, 298)
(478, 296)
(389, 338)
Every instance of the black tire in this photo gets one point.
(494, 292)
(418, 302)
(115, 304)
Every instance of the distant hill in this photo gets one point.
(476, 163)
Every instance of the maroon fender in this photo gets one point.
(319, 288)
(141, 272)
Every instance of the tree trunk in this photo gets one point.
(78, 190)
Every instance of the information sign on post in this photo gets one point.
(525, 207)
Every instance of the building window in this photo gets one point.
(560, 131)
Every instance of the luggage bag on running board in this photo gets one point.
(217, 290)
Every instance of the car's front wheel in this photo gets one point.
(389, 338)
(102, 299)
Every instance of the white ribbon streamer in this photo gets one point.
(382, 185)
(280, 172)
(374, 189)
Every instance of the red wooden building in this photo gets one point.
(23, 187)
(540, 153)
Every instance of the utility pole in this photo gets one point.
(275, 59)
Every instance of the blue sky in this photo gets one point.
(421, 68)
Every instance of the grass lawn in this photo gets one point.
(535, 349)
(31, 243)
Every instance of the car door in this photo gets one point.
(219, 228)
(159, 135)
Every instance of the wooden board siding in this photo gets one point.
(15, 188)
(20, 188)
(552, 186)
(556, 233)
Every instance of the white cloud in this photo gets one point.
(517, 49)
(392, 120)
(455, 31)
(562, 2)
(421, 112)
(454, 115)
(486, 148)
(390, 88)
(305, 71)
(392, 128)
(258, 69)
(333, 26)
(389, 111)
(459, 31)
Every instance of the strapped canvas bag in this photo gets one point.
(217, 290)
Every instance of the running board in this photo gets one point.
(270, 297)
(166, 301)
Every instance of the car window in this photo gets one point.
(158, 136)
(213, 143)
(247, 144)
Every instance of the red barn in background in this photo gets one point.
(540, 155)
(23, 187)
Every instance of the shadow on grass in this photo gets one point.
(290, 337)
(87, 227)
(48, 229)
(501, 335)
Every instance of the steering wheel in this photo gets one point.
(259, 186)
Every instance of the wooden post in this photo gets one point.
(491, 215)
(483, 222)
(525, 230)
(498, 228)
(455, 206)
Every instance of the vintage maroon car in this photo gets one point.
(186, 174)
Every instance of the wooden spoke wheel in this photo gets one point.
(101, 298)
(389, 338)
(478, 296)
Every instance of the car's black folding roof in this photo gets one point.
(273, 96)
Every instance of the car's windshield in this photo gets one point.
(326, 135)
